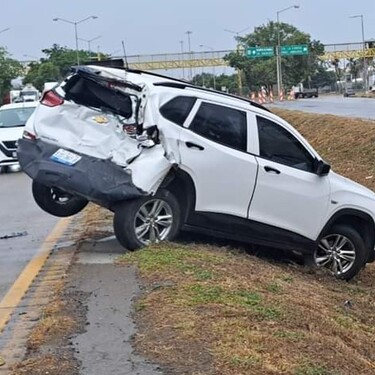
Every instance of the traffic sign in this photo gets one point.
(293, 50)
(254, 52)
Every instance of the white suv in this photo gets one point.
(200, 160)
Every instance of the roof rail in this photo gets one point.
(184, 85)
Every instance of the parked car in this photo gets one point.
(200, 160)
(13, 118)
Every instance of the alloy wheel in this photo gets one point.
(153, 221)
(336, 253)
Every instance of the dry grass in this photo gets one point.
(209, 310)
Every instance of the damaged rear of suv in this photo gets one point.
(167, 156)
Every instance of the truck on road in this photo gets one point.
(301, 92)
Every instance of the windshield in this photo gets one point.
(15, 117)
(29, 93)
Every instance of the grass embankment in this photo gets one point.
(211, 310)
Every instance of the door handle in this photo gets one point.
(271, 170)
(194, 145)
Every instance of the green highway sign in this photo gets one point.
(293, 50)
(254, 52)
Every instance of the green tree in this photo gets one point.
(258, 72)
(9, 69)
(56, 65)
(322, 77)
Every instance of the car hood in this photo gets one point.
(350, 194)
(11, 134)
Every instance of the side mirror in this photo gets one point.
(321, 168)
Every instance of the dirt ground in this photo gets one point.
(218, 307)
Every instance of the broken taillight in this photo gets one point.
(51, 99)
(28, 135)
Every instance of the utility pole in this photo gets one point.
(182, 58)
(190, 57)
(365, 78)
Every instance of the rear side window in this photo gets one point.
(178, 109)
(223, 125)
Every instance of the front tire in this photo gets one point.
(57, 202)
(140, 222)
(342, 251)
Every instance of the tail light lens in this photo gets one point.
(52, 99)
(28, 135)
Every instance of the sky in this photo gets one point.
(158, 26)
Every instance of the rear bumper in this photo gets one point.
(94, 179)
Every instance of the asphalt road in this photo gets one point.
(334, 105)
(19, 214)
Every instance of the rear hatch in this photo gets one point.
(90, 112)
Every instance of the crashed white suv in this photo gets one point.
(199, 160)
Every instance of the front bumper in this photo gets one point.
(95, 179)
(8, 154)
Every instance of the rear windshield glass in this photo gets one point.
(15, 117)
(92, 94)
(27, 93)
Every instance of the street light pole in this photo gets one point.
(182, 58)
(278, 49)
(190, 70)
(365, 79)
(75, 23)
(213, 68)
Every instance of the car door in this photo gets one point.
(288, 194)
(214, 152)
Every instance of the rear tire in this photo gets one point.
(57, 202)
(140, 222)
(342, 251)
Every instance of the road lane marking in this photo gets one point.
(24, 280)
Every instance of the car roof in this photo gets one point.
(139, 76)
(19, 105)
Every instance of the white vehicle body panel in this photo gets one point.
(89, 131)
(224, 178)
(294, 200)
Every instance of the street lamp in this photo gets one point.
(213, 68)
(75, 23)
(90, 40)
(6, 29)
(190, 70)
(364, 51)
(278, 52)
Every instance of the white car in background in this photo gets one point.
(13, 118)
(199, 160)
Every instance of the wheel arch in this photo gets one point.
(182, 187)
(362, 222)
